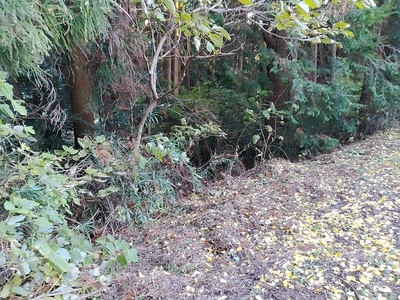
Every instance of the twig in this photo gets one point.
(351, 287)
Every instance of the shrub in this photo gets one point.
(42, 250)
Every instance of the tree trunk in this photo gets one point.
(187, 75)
(239, 69)
(177, 67)
(168, 71)
(80, 94)
(314, 61)
(279, 88)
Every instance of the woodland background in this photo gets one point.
(112, 109)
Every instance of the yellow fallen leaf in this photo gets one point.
(370, 269)
(285, 283)
(384, 198)
(350, 278)
(385, 289)
(364, 279)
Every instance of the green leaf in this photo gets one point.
(52, 256)
(359, 5)
(64, 253)
(341, 25)
(24, 203)
(186, 17)
(300, 24)
(15, 219)
(5, 292)
(216, 40)
(70, 150)
(225, 34)
(327, 41)
(20, 291)
(100, 139)
(266, 114)
(349, 33)
(132, 256)
(107, 191)
(160, 16)
(303, 9)
(6, 109)
(246, 2)
(18, 107)
(76, 255)
(24, 267)
(6, 89)
(210, 47)
(29, 130)
(255, 139)
(121, 259)
(43, 222)
(170, 5)
(313, 3)
(205, 29)
(315, 40)
(196, 42)
(9, 206)
(142, 162)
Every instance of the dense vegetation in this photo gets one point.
(108, 109)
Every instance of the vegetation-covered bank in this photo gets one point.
(326, 228)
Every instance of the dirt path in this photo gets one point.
(328, 228)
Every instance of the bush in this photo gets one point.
(42, 250)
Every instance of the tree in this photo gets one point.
(33, 31)
(76, 28)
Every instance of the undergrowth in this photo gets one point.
(43, 251)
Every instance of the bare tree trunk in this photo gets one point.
(168, 71)
(80, 94)
(187, 75)
(153, 101)
(177, 64)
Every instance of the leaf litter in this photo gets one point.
(326, 228)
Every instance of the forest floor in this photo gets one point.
(326, 228)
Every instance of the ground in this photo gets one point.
(326, 228)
